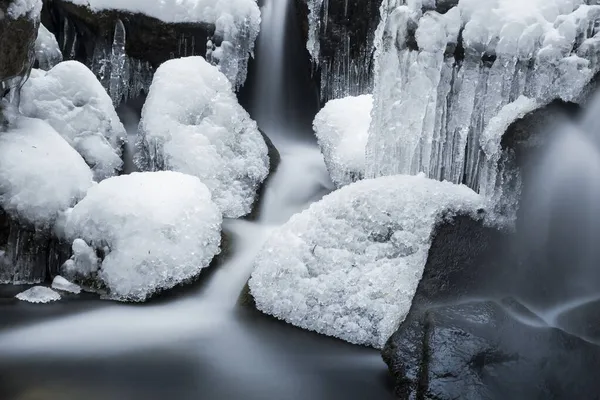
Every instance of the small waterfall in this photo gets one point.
(559, 223)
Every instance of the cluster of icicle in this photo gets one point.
(448, 85)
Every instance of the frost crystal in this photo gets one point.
(40, 174)
(70, 98)
(192, 123)
(38, 294)
(342, 128)
(154, 229)
(47, 51)
(434, 106)
(349, 266)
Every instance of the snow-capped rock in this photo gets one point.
(342, 128)
(40, 174)
(349, 265)
(47, 51)
(38, 294)
(154, 229)
(60, 283)
(192, 123)
(70, 98)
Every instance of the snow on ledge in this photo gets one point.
(349, 266)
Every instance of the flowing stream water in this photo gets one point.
(202, 345)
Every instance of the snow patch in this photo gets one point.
(342, 128)
(70, 98)
(38, 294)
(349, 266)
(155, 230)
(20, 8)
(60, 283)
(192, 123)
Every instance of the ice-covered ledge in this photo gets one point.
(130, 39)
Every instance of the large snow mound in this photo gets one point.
(192, 123)
(70, 98)
(342, 128)
(38, 294)
(155, 229)
(349, 266)
(47, 51)
(40, 174)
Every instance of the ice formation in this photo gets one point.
(236, 22)
(154, 229)
(38, 294)
(70, 98)
(192, 123)
(342, 128)
(47, 51)
(40, 174)
(446, 84)
(60, 283)
(19, 8)
(349, 265)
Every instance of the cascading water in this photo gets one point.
(560, 222)
(209, 342)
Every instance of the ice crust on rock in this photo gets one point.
(40, 174)
(349, 266)
(19, 8)
(435, 107)
(192, 123)
(70, 98)
(60, 283)
(237, 23)
(47, 51)
(154, 229)
(38, 294)
(342, 128)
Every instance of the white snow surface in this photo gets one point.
(47, 51)
(192, 123)
(342, 128)
(432, 114)
(70, 98)
(349, 266)
(40, 174)
(156, 229)
(60, 283)
(19, 8)
(38, 294)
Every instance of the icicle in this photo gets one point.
(119, 74)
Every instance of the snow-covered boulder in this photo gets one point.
(40, 174)
(192, 123)
(47, 51)
(38, 294)
(70, 98)
(342, 128)
(349, 266)
(154, 230)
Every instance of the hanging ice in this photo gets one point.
(441, 79)
(47, 51)
(119, 73)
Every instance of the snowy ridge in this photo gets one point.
(155, 229)
(435, 95)
(349, 265)
(342, 128)
(192, 123)
(70, 98)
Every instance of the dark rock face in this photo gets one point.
(346, 34)
(28, 255)
(17, 40)
(582, 320)
(88, 37)
(454, 346)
